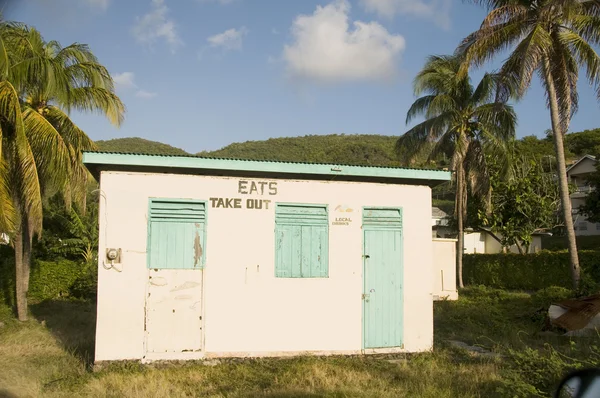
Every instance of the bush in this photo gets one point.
(49, 279)
(530, 272)
(550, 295)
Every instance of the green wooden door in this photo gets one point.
(383, 277)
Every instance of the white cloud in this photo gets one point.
(326, 48)
(231, 39)
(156, 25)
(145, 94)
(126, 82)
(436, 10)
(102, 4)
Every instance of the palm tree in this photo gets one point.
(41, 146)
(461, 123)
(553, 38)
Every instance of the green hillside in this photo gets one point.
(139, 145)
(364, 149)
(376, 150)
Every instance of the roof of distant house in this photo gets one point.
(436, 212)
(590, 157)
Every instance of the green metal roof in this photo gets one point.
(98, 161)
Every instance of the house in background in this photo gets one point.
(440, 224)
(481, 242)
(578, 174)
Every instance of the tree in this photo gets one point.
(461, 123)
(521, 205)
(40, 82)
(554, 38)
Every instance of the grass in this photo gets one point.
(51, 355)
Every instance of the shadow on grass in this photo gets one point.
(73, 323)
(6, 394)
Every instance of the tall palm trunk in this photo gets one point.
(459, 218)
(21, 275)
(563, 184)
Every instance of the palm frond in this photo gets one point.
(98, 100)
(51, 153)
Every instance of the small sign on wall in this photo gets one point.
(246, 187)
(342, 216)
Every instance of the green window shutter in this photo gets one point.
(383, 218)
(302, 241)
(176, 234)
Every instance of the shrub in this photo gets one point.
(49, 279)
(529, 272)
(545, 297)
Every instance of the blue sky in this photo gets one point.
(201, 74)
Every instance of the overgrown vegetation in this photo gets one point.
(531, 272)
(51, 355)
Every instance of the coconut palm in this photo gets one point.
(41, 82)
(554, 38)
(461, 123)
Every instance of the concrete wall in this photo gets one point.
(245, 309)
(444, 269)
(474, 243)
(481, 242)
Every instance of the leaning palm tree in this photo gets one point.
(461, 123)
(41, 146)
(554, 38)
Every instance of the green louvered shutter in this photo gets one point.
(302, 241)
(176, 234)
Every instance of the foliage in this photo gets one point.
(591, 208)
(558, 243)
(50, 280)
(521, 205)
(375, 150)
(553, 39)
(41, 148)
(461, 124)
(68, 233)
(530, 272)
(138, 145)
(550, 295)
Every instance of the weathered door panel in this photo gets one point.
(383, 278)
(174, 311)
(176, 245)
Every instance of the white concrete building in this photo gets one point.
(481, 242)
(577, 174)
(204, 258)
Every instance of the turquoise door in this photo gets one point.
(383, 275)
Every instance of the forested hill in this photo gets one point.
(139, 145)
(376, 150)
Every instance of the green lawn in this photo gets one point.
(50, 356)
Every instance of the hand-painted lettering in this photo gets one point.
(213, 201)
(262, 187)
(220, 203)
(237, 203)
(253, 187)
(243, 187)
(257, 187)
(266, 202)
(229, 203)
(272, 188)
